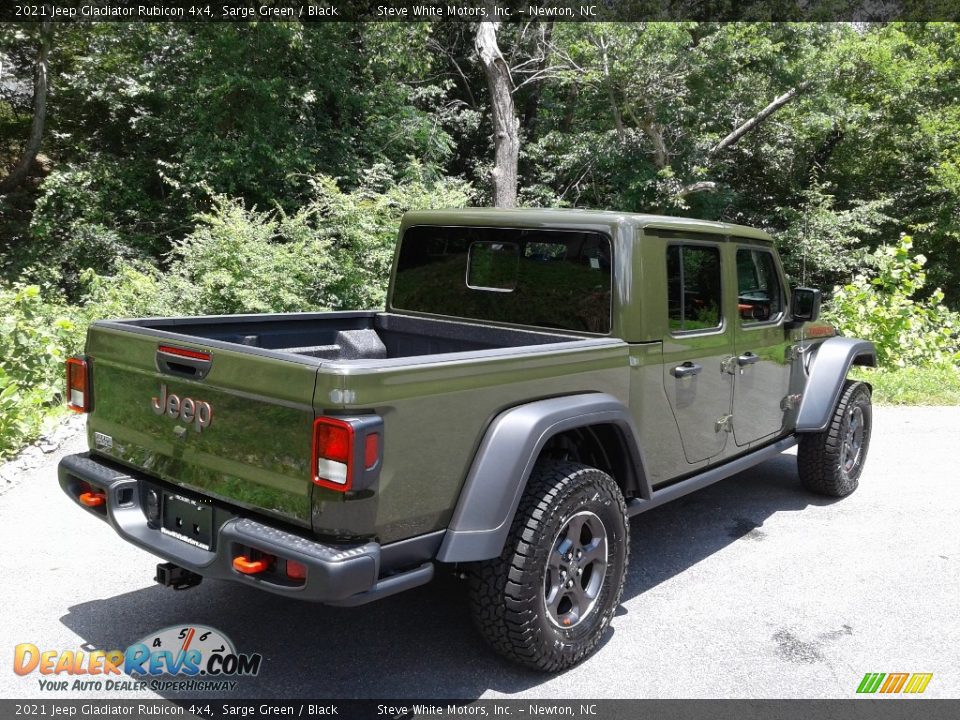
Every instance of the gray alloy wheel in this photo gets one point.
(573, 577)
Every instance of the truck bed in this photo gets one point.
(349, 335)
(437, 384)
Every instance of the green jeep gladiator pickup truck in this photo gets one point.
(537, 378)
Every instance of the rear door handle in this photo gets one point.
(748, 358)
(687, 368)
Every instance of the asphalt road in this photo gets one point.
(750, 588)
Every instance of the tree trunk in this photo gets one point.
(506, 140)
(532, 106)
(32, 147)
(570, 108)
(611, 94)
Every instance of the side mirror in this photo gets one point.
(805, 305)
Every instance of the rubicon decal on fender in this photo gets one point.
(196, 412)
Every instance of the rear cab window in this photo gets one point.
(545, 278)
(695, 299)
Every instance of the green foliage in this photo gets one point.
(881, 306)
(137, 289)
(334, 253)
(821, 245)
(35, 337)
(240, 260)
(361, 227)
(937, 384)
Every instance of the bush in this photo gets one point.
(880, 305)
(246, 261)
(35, 337)
(361, 227)
(77, 225)
(334, 253)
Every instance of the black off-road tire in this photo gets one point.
(830, 462)
(509, 594)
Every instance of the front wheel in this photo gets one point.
(546, 601)
(830, 462)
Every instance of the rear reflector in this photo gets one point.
(371, 451)
(296, 570)
(78, 390)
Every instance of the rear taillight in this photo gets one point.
(78, 385)
(332, 448)
(347, 451)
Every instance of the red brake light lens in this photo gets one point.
(333, 440)
(78, 395)
(184, 352)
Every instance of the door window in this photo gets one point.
(693, 284)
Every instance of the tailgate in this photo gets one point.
(239, 429)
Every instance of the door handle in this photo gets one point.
(748, 358)
(687, 368)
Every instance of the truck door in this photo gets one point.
(699, 340)
(763, 367)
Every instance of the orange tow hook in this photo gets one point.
(92, 499)
(249, 567)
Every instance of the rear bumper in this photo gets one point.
(336, 574)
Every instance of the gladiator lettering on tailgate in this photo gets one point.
(196, 412)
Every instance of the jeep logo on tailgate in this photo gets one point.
(198, 412)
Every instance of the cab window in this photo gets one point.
(759, 294)
(693, 284)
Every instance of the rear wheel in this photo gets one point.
(830, 462)
(546, 601)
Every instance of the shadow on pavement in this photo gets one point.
(421, 644)
(669, 539)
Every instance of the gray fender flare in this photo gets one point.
(503, 463)
(828, 369)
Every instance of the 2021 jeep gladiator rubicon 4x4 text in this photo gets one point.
(537, 378)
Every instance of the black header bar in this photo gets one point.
(310, 11)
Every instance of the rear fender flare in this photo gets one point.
(827, 370)
(507, 454)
